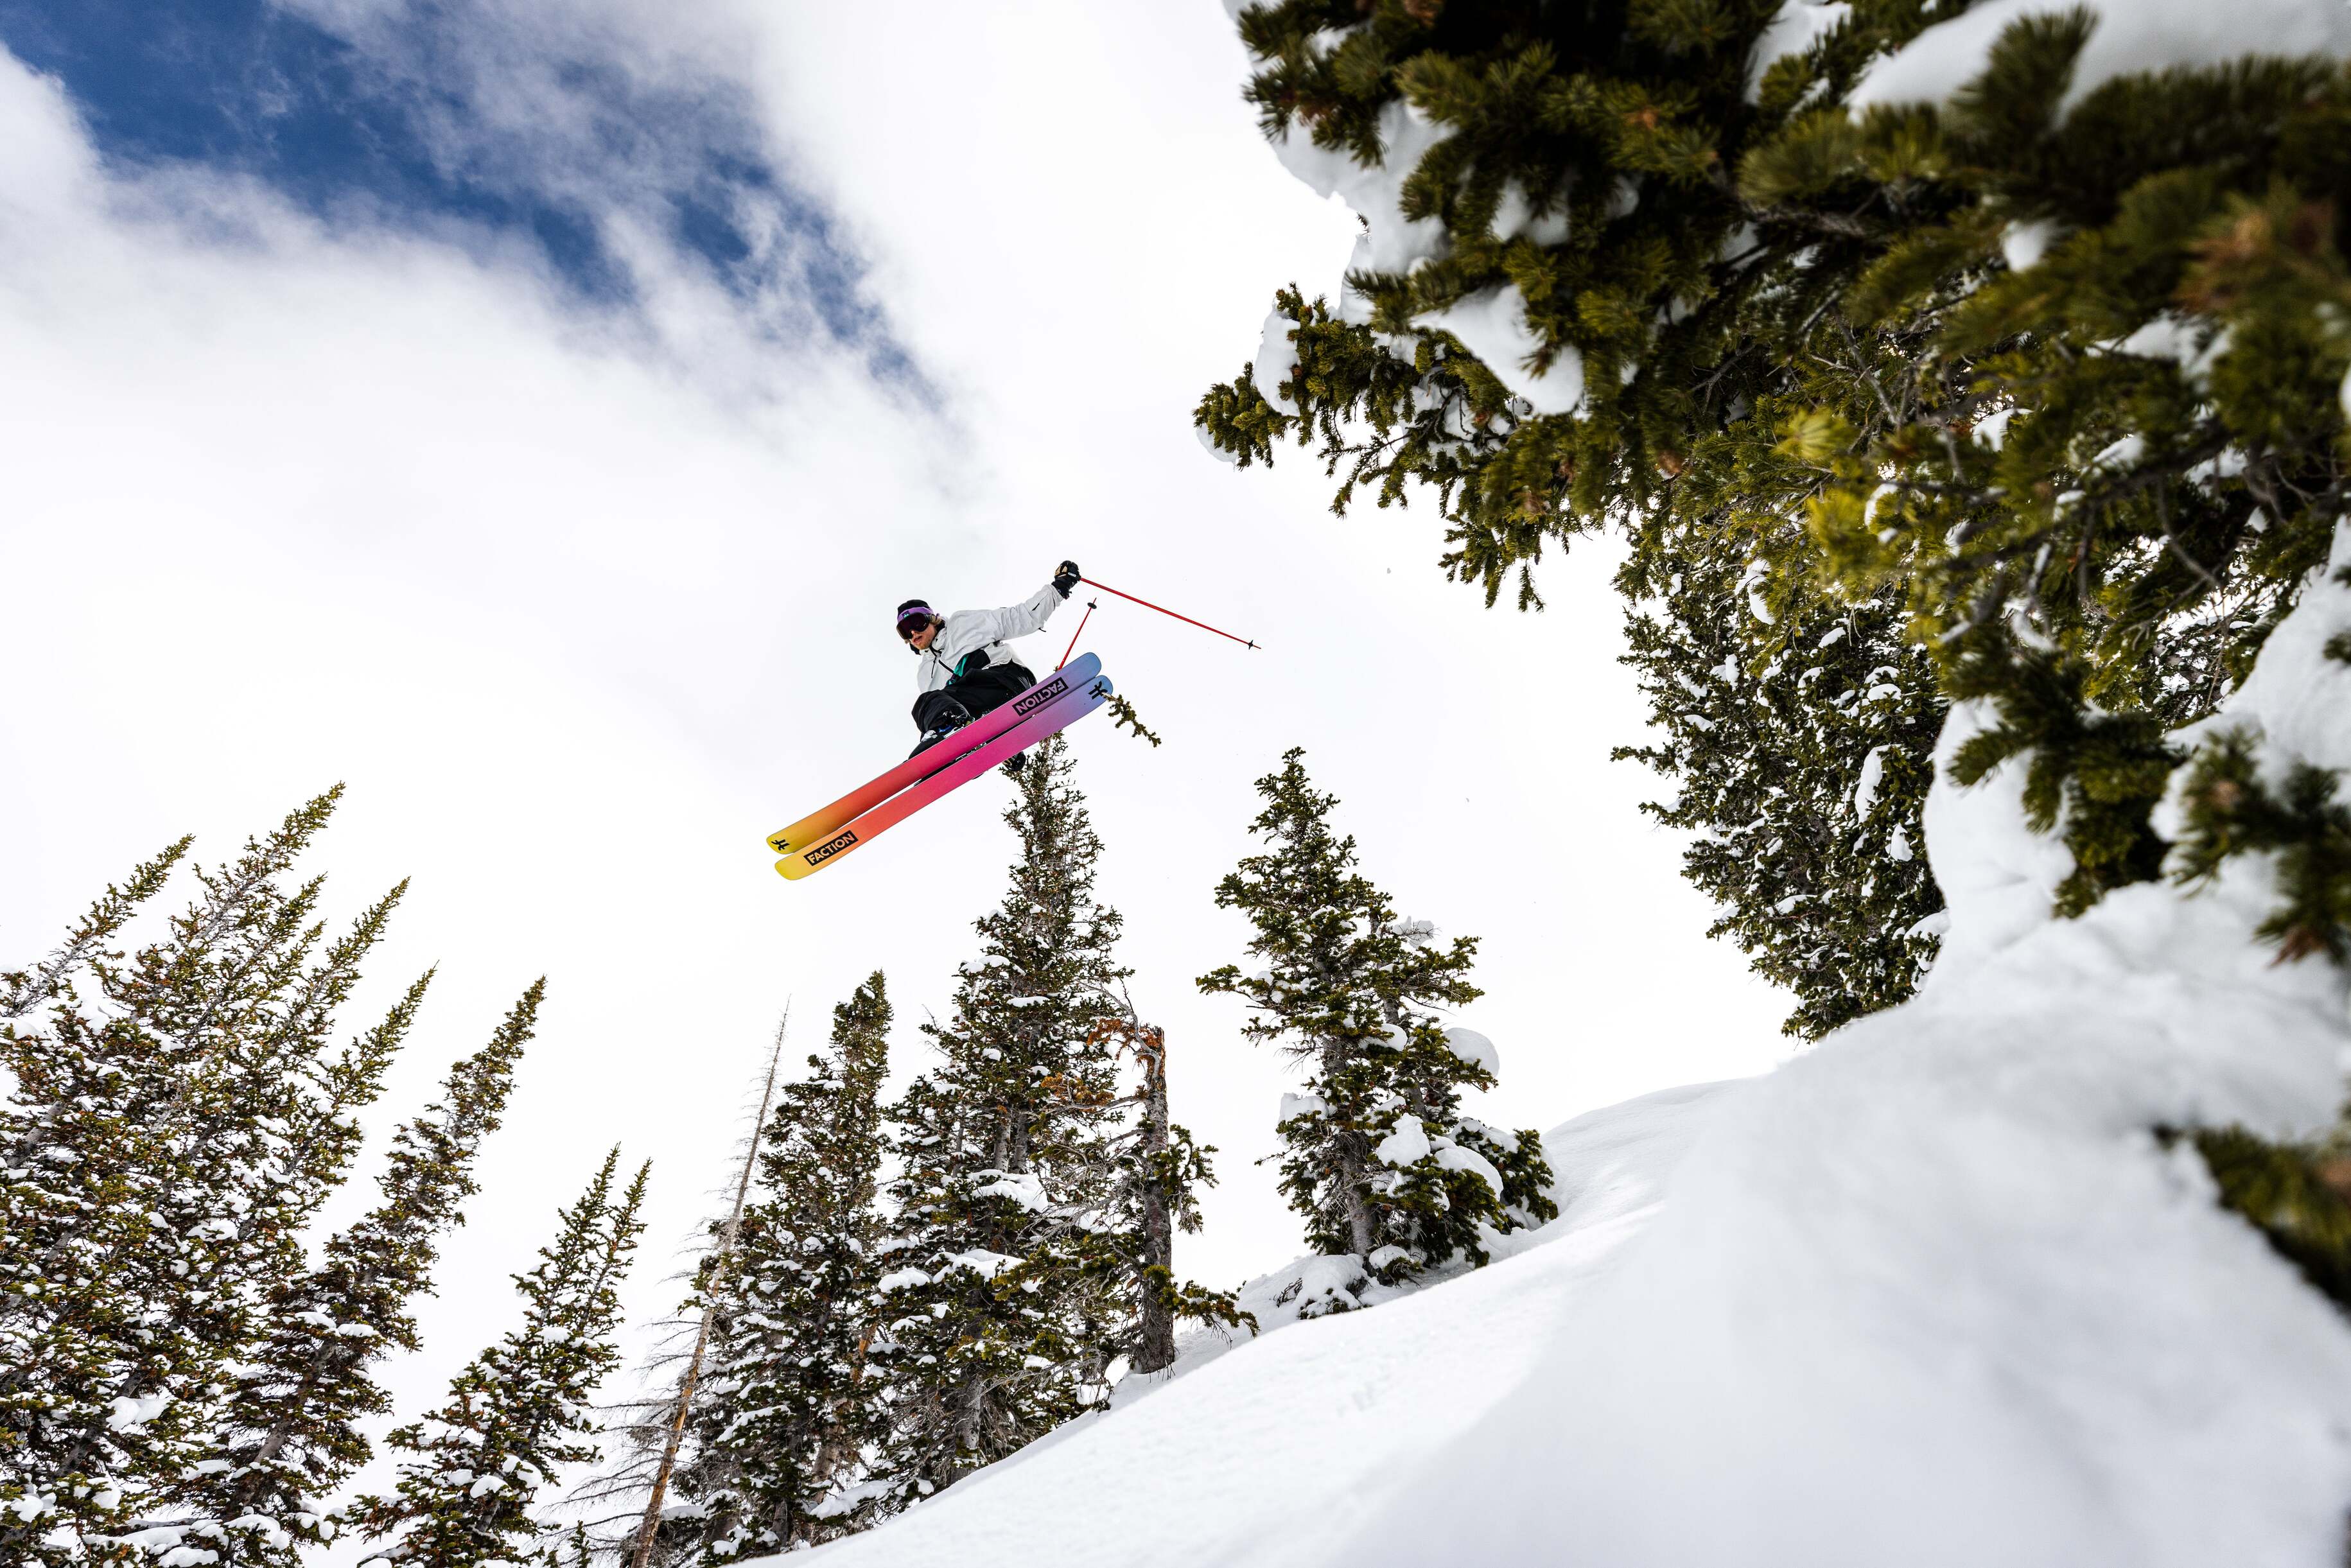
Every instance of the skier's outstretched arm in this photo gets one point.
(1031, 614)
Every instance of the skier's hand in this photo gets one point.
(1065, 578)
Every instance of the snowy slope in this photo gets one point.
(1262, 1455)
(1929, 1294)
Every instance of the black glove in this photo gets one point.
(1066, 579)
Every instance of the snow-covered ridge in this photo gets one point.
(1930, 1294)
(1258, 1450)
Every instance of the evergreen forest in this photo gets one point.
(906, 1287)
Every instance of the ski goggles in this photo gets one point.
(913, 619)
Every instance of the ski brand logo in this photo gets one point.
(1040, 696)
(831, 847)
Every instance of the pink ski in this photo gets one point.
(1064, 708)
(823, 825)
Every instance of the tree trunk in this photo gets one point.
(651, 1527)
(1155, 1348)
(1354, 1185)
(1356, 1198)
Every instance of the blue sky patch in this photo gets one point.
(439, 113)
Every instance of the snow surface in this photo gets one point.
(2131, 36)
(1930, 1294)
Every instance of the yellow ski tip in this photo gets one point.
(815, 858)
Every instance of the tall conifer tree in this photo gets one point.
(177, 1120)
(997, 1144)
(787, 1411)
(2051, 362)
(1378, 1155)
(168, 1138)
(290, 1435)
(516, 1416)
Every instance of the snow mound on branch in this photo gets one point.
(1276, 362)
(2297, 700)
(1452, 1156)
(2131, 36)
(1799, 25)
(1391, 242)
(1932, 1293)
(1475, 1049)
(1492, 325)
(1406, 1144)
(1300, 1106)
(1026, 1191)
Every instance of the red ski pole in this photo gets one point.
(1079, 632)
(1162, 610)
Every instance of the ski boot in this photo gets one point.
(946, 718)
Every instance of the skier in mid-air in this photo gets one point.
(965, 667)
(966, 673)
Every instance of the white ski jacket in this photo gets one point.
(988, 629)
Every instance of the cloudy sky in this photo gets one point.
(528, 411)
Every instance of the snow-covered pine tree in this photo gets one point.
(288, 1433)
(786, 1411)
(2053, 358)
(1546, 323)
(1801, 779)
(1547, 300)
(997, 1145)
(175, 1120)
(2135, 289)
(517, 1415)
(1378, 1155)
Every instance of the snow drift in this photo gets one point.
(1932, 1293)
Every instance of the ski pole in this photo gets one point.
(1092, 605)
(1162, 610)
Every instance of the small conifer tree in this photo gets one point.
(1378, 1156)
(517, 1415)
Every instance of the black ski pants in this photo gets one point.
(975, 692)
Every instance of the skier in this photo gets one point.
(966, 668)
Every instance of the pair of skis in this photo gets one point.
(1045, 709)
